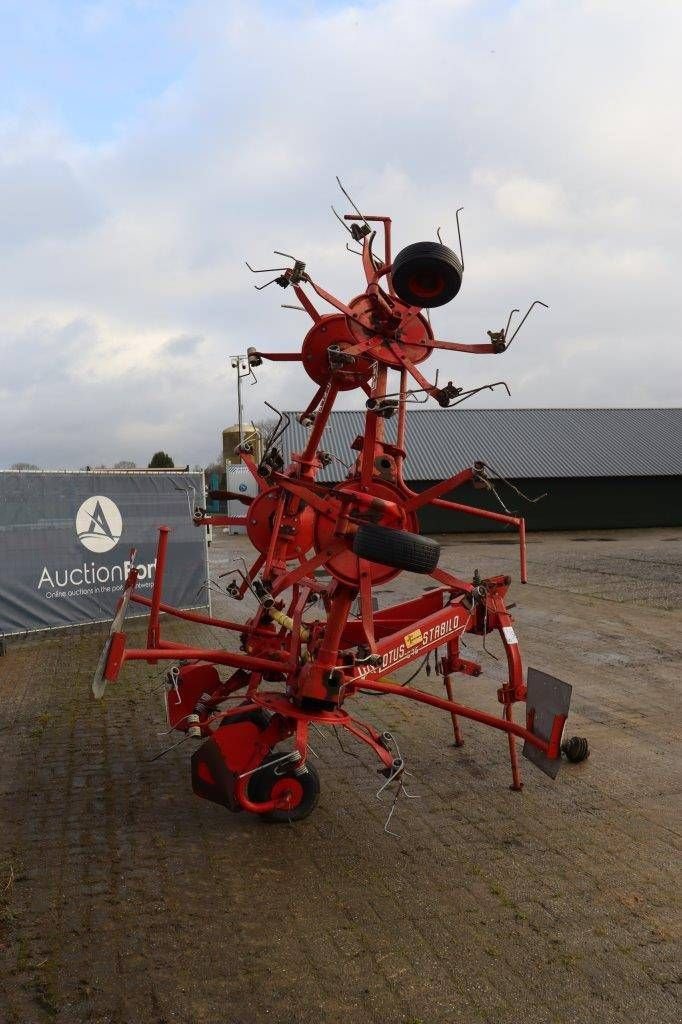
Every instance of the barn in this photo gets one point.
(594, 468)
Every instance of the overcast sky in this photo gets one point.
(147, 147)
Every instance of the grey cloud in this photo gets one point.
(42, 353)
(42, 199)
(184, 345)
(570, 184)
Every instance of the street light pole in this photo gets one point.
(241, 365)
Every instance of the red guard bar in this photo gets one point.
(204, 620)
(245, 661)
(497, 517)
(460, 709)
(522, 543)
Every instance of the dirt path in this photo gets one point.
(125, 899)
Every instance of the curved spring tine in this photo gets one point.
(491, 387)
(514, 488)
(260, 287)
(395, 774)
(281, 426)
(265, 270)
(536, 302)
(506, 330)
(387, 830)
(483, 387)
(167, 750)
(356, 208)
(342, 223)
(459, 235)
(274, 432)
(288, 256)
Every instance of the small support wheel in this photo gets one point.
(426, 274)
(302, 789)
(576, 749)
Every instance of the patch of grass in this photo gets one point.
(498, 891)
(46, 997)
(7, 915)
(40, 725)
(23, 954)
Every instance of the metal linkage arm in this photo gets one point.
(311, 494)
(327, 503)
(418, 500)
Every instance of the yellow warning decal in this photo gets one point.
(414, 638)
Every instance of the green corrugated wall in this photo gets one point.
(588, 503)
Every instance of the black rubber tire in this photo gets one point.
(439, 267)
(261, 783)
(397, 548)
(576, 749)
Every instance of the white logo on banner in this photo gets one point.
(99, 524)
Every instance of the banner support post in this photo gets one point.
(153, 632)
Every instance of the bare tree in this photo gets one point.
(265, 425)
(215, 468)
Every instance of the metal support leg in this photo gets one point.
(517, 784)
(459, 740)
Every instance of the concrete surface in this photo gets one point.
(123, 898)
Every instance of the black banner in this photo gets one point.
(65, 541)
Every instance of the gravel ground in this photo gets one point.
(125, 899)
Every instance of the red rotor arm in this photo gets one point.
(327, 505)
(488, 348)
(279, 357)
(419, 499)
(432, 496)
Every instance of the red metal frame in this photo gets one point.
(321, 659)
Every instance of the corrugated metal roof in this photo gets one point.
(518, 443)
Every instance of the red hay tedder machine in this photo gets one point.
(318, 637)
